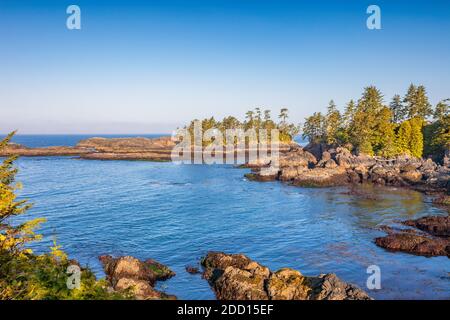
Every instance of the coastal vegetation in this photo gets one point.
(27, 275)
(256, 119)
(407, 126)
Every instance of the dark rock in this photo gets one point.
(435, 225)
(237, 277)
(192, 270)
(415, 244)
(431, 237)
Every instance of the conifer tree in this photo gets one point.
(365, 120)
(314, 128)
(416, 140)
(332, 123)
(397, 109)
(403, 137)
(416, 102)
(385, 141)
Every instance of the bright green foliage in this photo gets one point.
(332, 123)
(403, 137)
(384, 135)
(372, 128)
(24, 275)
(416, 141)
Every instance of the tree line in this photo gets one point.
(408, 125)
(254, 119)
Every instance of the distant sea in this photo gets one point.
(50, 140)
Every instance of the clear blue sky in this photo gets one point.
(146, 67)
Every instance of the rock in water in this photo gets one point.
(129, 273)
(433, 239)
(237, 277)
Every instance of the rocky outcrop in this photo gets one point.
(430, 236)
(322, 166)
(237, 277)
(20, 150)
(130, 275)
(157, 149)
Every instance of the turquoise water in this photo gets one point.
(176, 213)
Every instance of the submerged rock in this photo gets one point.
(237, 277)
(136, 276)
(192, 270)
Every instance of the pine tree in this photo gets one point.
(349, 113)
(403, 137)
(332, 123)
(416, 102)
(365, 121)
(384, 128)
(442, 110)
(397, 109)
(437, 134)
(416, 140)
(314, 128)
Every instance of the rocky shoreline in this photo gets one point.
(231, 277)
(157, 149)
(322, 166)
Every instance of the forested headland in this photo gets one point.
(409, 125)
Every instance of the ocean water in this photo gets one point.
(51, 140)
(176, 213)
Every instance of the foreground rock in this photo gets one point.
(430, 237)
(237, 277)
(128, 274)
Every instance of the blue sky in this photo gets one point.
(146, 67)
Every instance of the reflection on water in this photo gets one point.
(175, 214)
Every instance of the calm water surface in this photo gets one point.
(176, 213)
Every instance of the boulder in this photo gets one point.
(412, 176)
(129, 273)
(237, 277)
(322, 177)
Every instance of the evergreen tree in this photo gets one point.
(283, 115)
(416, 140)
(314, 128)
(349, 113)
(403, 137)
(332, 123)
(397, 109)
(385, 141)
(416, 102)
(442, 110)
(365, 121)
(437, 134)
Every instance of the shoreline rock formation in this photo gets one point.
(130, 275)
(237, 277)
(318, 166)
(428, 236)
